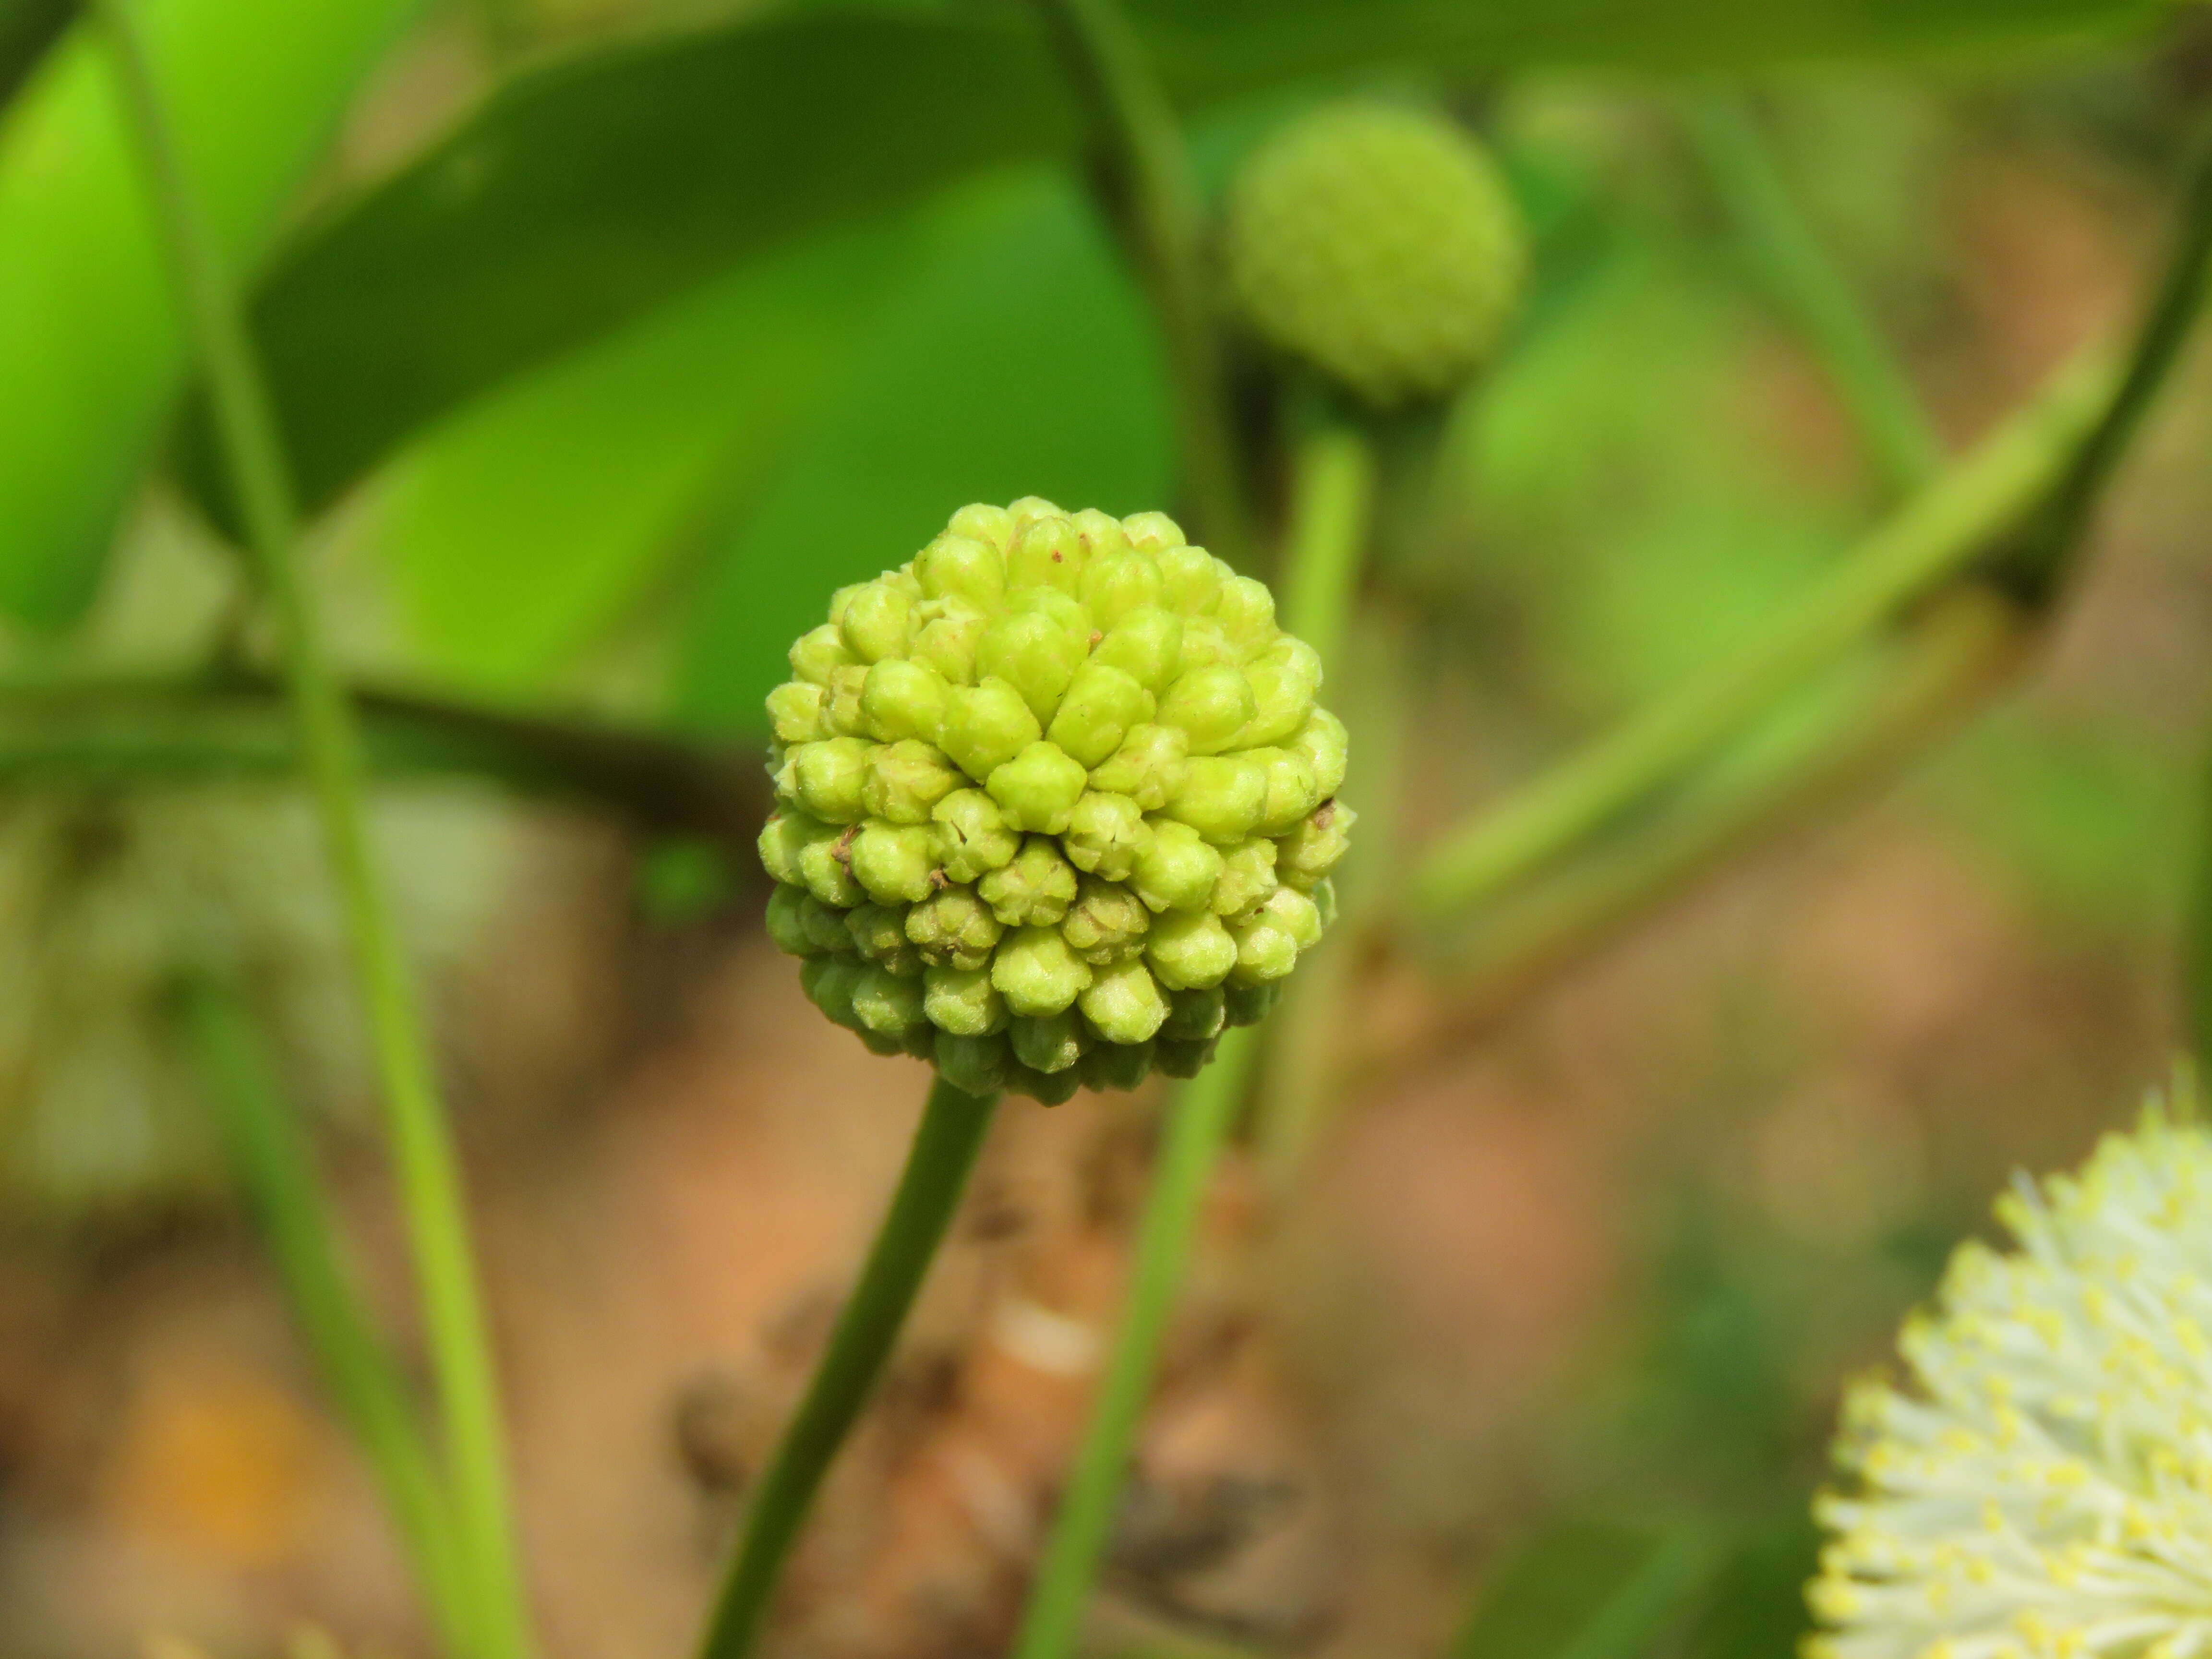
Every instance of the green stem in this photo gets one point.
(1198, 1127)
(427, 1162)
(182, 729)
(1150, 195)
(951, 1132)
(1332, 497)
(277, 1171)
(1787, 259)
(2016, 505)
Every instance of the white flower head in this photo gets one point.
(2043, 1488)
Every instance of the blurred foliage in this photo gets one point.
(91, 355)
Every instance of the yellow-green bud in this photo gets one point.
(1248, 877)
(894, 861)
(1101, 706)
(1310, 851)
(876, 620)
(1145, 644)
(973, 835)
(1378, 244)
(905, 699)
(1222, 797)
(1212, 706)
(1034, 889)
(906, 779)
(1175, 869)
(1148, 768)
(963, 1001)
(797, 712)
(1248, 1004)
(1052, 1043)
(1038, 788)
(1106, 924)
(1041, 792)
(986, 726)
(963, 567)
(878, 932)
(1036, 973)
(1103, 835)
(1190, 950)
(954, 928)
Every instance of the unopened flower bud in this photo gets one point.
(1036, 653)
(887, 1004)
(1038, 788)
(1195, 1014)
(1212, 706)
(1248, 1004)
(1106, 924)
(904, 699)
(1033, 890)
(992, 525)
(1101, 705)
(1036, 973)
(963, 1001)
(906, 779)
(1046, 552)
(827, 779)
(973, 835)
(1248, 877)
(875, 621)
(1174, 870)
(1103, 835)
(818, 651)
(961, 567)
(954, 928)
(1028, 827)
(1325, 743)
(894, 861)
(975, 1065)
(1190, 950)
(1190, 580)
(986, 726)
(1222, 797)
(1123, 1003)
(1146, 645)
(1378, 244)
(1051, 1043)
(1152, 532)
(1117, 584)
(825, 865)
(1150, 767)
(1311, 850)
(796, 713)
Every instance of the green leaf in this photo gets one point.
(1017, 360)
(28, 28)
(1590, 1590)
(533, 521)
(91, 357)
(598, 187)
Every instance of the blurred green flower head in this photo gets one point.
(2044, 1487)
(1379, 245)
(1056, 802)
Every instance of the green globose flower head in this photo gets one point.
(1378, 244)
(1056, 803)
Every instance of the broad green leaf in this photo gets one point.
(28, 28)
(1590, 1590)
(517, 529)
(1017, 360)
(600, 185)
(91, 357)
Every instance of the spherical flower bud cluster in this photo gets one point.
(1378, 245)
(2043, 1488)
(1056, 802)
